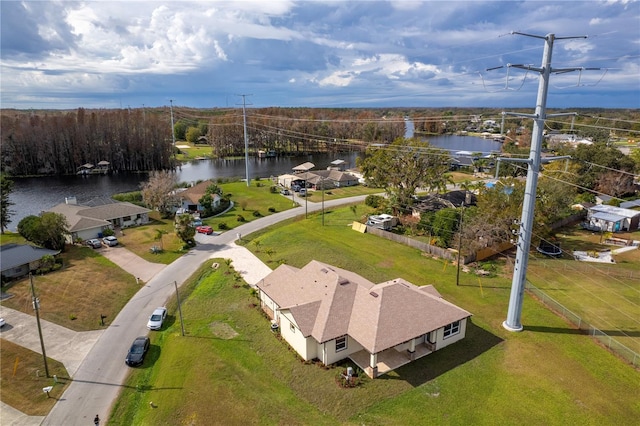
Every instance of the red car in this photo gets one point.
(204, 229)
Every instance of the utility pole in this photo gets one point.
(173, 132)
(514, 314)
(246, 141)
(459, 243)
(36, 307)
(175, 283)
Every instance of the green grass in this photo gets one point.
(547, 374)
(194, 151)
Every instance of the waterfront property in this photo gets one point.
(90, 220)
(188, 199)
(16, 260)
(330, 314)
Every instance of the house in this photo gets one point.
(188, 199)
(89, 220)
(608, 218)
(555, 140)
(331, 314)
(17, 260)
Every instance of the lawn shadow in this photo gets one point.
(476, 342)
(571, 330)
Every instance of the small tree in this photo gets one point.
(185, 229)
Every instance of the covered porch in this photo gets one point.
(389, 359)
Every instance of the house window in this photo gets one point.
(126, 218)
(451, 329)
(292, 328)
(341, 343)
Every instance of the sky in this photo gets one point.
(402, 53)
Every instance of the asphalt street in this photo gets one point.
(99, 377)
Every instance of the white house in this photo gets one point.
(612, 219)
(330, 314)
(88, 221)
(189, 198)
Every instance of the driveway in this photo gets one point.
(132, 263)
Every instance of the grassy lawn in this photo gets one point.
(605, 295)
(194, 151)
(74, 297)
(230, 368)
(18, 373)
(159, 232)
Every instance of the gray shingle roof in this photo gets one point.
(15, 255)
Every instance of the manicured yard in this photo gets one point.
(231, 369)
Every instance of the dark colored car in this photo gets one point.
(204, 229)
(138, 350)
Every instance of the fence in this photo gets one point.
(609, 342)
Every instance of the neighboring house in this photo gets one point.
(17, 260)
(555, 140)
(189, 198)
(88, 221)
(449, 200)
(612, 219)
(330, 314)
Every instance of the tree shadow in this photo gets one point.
(476, 342)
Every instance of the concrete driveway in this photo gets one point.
(132, 263)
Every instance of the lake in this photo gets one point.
(34, 195)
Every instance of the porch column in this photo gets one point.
(373, 365)
(412, 349)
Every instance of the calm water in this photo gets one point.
(33, 195)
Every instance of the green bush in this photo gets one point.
(256, 213)
(240, 218)
(374, 201)
(274, 190)
(272, 209)
(223, 226)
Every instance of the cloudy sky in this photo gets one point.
(112, 54)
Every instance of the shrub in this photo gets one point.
(272, 209)
(374, 201)
(240, 218)
(108, 232)
(274, 190)
(223, 226)
(256, 213)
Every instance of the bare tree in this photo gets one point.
(159, 192)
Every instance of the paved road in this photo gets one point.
(100, 377)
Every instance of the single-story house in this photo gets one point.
(289, 180)
(88, 221)
(330, 314)
(612, 219)
(17, 260)
(188, 199)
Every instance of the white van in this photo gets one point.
(303, 192)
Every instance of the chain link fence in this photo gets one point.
(606, 340)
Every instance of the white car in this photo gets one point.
(2, 323)
(157, 318)
(110, 241)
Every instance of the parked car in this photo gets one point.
(302, 192)
(138, 350)
(94, 243)
(110, 241)
(196, 222)
(285, 191)
(204, 229)
(2, 322)
(156, 319)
